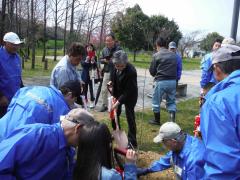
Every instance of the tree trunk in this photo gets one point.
(27, 53)
(65, 29)
(134, 55)
(71, 34)
(2, 24)
(102, 24)
(55, 32)
(44, 31)
(32, 34)
(91, 21)
(19, 18)
(10, 12)
(16, 17)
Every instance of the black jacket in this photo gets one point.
(125, 87)
(107, 54)
(164, 65)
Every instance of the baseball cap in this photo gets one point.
(172, 45)
(12, 38)
(226, 53)
(168, 130)
(228, 41)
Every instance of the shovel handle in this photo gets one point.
(120, 151)
(116, 119)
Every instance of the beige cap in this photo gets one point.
(168, 130)
(226, 53)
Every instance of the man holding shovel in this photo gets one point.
(124, 89)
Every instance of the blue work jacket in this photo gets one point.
(207, 75)
(36, 104)
(179, 66)
(130, 173)
(10, 73)
(36, 151)
(220, 128)
(188, 164)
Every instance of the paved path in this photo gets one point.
(145, 83)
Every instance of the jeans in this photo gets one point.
(167, 87)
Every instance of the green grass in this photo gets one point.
(186, 113)
(49, 52)
(39, 68)
(191, 64)
(144, 60)
(51, 43)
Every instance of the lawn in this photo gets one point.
(143, 60)
(39, 68)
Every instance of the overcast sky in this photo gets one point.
(191, 15)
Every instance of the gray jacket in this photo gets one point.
(164, 65)
(107, 54)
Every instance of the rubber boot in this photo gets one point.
(156, 120)
(172, 116)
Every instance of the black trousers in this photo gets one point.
(85, 90)
(130, 115)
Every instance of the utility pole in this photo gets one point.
(235, 17)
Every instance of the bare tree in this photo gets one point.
(10, 13)
(92, 19)
(58, 10)
(104, 12)
(32, 33)
(188, 41)
(44, 31)
(65, 28)
(2, 24)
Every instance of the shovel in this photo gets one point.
(119, 136)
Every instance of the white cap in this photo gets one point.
(12, 38)
(172, 45)
(168, 130)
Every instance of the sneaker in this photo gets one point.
(91, 105)
(103, 108)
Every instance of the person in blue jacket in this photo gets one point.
(66, 69)
(220, 117)
(38, 104)
(185, 155)
(94, 156)
(10, 70)
(173, 47)
(43, 151)
(207, 78)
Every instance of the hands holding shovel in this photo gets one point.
(131, 156)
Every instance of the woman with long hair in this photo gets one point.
(94, 156)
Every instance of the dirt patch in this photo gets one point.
(145, 159)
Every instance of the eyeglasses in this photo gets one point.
(67, 117)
